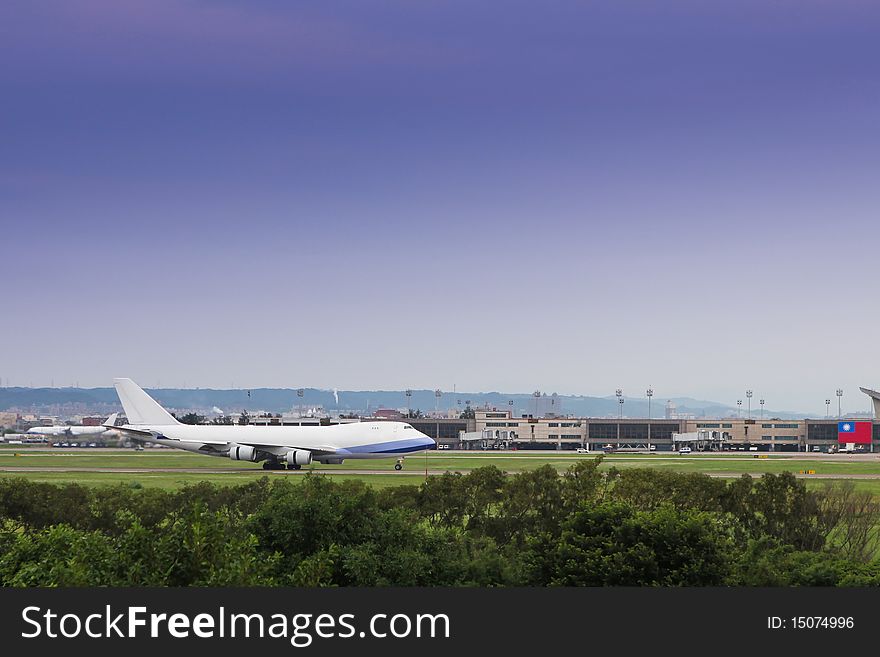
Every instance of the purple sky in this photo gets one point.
(570, 196)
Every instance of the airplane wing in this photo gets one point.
(209, 443)
(140, 432)
(318, 450)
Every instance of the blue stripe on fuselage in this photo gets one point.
(391, 447)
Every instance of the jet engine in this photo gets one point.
(242, 453)
(299, 457)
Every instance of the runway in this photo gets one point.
(222, 471)
(410, 471)
(45, 450)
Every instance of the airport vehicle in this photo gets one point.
(582, 450)
(684, 450)
(276, 446)
(69, 431)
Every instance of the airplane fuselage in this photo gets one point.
(68, 431)
(357, 440)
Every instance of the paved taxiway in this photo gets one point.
(411, 470)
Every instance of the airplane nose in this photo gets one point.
(428, 442)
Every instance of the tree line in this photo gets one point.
(592, 527)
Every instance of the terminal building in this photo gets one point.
(499, 429)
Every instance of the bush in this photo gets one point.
(587, 527)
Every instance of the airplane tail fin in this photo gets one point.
(875, 398)
(139, 407)
(110, 422)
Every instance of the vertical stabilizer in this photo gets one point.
(139, 407)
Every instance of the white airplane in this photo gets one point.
(276, 446)
(76, 431)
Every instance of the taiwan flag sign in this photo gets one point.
(854, 432)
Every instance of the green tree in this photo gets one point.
(789, 512)
(613, 545)
(442, 500)
(583, 483)
(647, 489)
(532, 504)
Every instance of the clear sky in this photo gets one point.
(567, 195)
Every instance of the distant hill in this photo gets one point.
(280, 400)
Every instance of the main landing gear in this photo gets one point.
(399, 464)
(277, 465)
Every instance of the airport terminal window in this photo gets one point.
(450, 430)
(766, 426)
(634, 432)
(570, 436)
(766, 437)
(437, 430)
(785, 426)
(513, 424)
(603, 432)
(427, 428)
(822, 431)
(875, 435)
(496, 424)
(727, 426)
(701, 425)
(553, 436)
(663, 431)
(553, 424)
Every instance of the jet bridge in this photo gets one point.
(703, 440)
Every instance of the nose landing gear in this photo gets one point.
(399, 464)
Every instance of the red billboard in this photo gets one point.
(854, 432)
